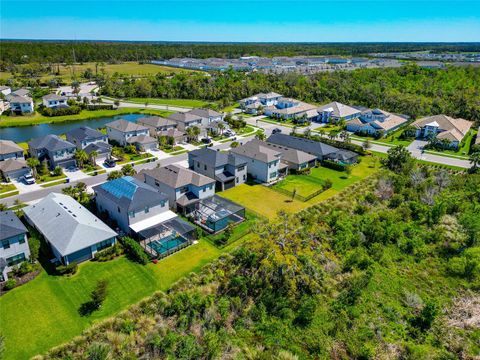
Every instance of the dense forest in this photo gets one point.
(21, 52)
(388, 269)
(408, 90)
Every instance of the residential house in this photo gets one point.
(132, 204)
(4, 105)
(5, 90)
(90, 140)
(73, 233)
(21, 92)
(208, 116)
(263, 162)
(10, 150)
(20, 104)
(13, 240)
(320, 150)
(54, 101)
(227, 169)
(155, 124)
(128, 133)
(288, 108)
(296, 160)
(251, 104)
(442, 127)
(56, 151)
(376, 121)
(334, 112)
(177, 135)
(12, 169)
(184, 187)
(187, 120)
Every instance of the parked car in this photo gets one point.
(276, 131)
(28, 179)
(110, 163)
(206, 140)
(229, 133)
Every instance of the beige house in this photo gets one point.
(443, 127)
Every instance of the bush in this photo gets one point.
(109, 253)
(328, 184)
(57, 171)
(10, 284)
(334, 165)
(133, 250)
(69, 269)
(72, 110)
(24, 268)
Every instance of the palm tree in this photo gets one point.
(75, 87)
(81, 156)
(322, 132)
(189, 133)
(475, 161)
(345, 136)
(93, 156)
(195, 132)
(260, 135)
(32, 164)
(221, 127)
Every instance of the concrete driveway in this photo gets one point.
(416, 146)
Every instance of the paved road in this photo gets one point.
(149, 106)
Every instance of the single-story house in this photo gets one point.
(295, 159)
(88, 139)
(14, 247)
(56, 151)
(9, 150)
(73, 233)
(374, 121)
(263, 163)
(54, 101)
(227, 169)
(442, 127)
(184, 187)
(335, 111)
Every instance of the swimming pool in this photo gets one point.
(166, 244)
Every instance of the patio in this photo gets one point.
(215, 214)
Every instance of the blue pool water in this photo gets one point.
(166, 244)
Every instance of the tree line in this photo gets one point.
(409, 90)
(21, 52)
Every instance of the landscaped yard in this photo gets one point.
(36, 118)
(464, 148)
(172, 149)
(7, 190)
(190, 103)
(46, 178)
(53, 301)
(391, 139)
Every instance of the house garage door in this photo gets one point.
(79, 256)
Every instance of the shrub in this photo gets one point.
(57, 171)
(328, 184)
(69, 269)
(109, 253)
(72, 110)
(99, 294)
(24, 268)
(98, 351)
(133, 250)
(10, 284)
(333, 165)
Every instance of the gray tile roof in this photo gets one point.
(184, 117)
(8, 147)
(130, 193)
(215, 158)
(84, 132)
(50, 142)
(99, 147)
(293, 156)
(21, 92)
(339, 110)
(156, 121)
(141, 139)
(54, 97)
(66, 224)
(125, 126)
(316, 148)
(10, 225)
(12, 165)
(256, 149)
(176, 176)
(13, 98)
(204, 113)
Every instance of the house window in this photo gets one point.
(147, 209)
(205, 167)
(157, 183)
(241, 168)
(6, 244)
(17, 259)
(118, 208)
(21, 239)
(237, 180)
(244, 177)
(131, 214)
(273, 174)
(103, 245)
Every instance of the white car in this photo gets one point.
(29, 179)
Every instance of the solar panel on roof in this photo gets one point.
(123, 187)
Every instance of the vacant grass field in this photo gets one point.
(68, 72)
(53, 301)
(189, 103)
(36, 118)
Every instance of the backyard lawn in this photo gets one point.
(52, 317)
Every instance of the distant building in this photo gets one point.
(13, 240)
(442, 127)
(54, 101)
(226, 169)
(87, 139)
(263, 162)
(56, 151)
(5, 90)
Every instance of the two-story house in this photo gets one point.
(208, 116)
(375, 121)
(128, 133)
(251, 104)
(159, 126)
(12, 161)
(10, 150)
(132, 204)
(334, 112)
(56, 151)
(20, 104)
(227, 169)
(90, 140)
(184, 187)
(186, 120)
(54, 101)
(13, 243)
(263, 162)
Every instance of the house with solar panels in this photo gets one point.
(142, 211)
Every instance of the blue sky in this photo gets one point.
(236, 20)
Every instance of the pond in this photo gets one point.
(26, 133)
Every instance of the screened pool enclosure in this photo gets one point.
(216, 213)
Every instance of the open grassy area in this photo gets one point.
(36, 118)
(189, 103)
(67, 72)
(53, 301)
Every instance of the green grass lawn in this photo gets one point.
(45, 178)
(36, 118)
(190, 103)
(44, 312)
(304, 185)
(6, 187)
(172, 149)
(392, 139)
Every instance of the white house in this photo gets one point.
(54, 101)
(335, 111)
(20, 104)
(128, 133)
(375, 121)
